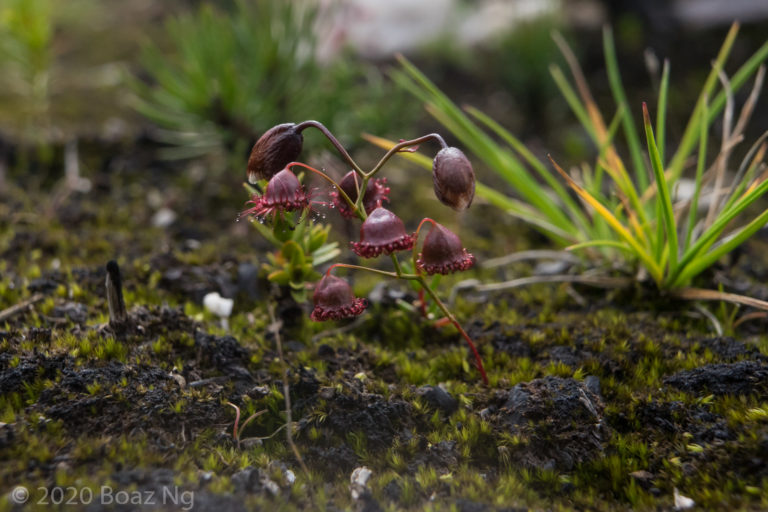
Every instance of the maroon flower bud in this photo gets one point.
(453, 178)
(284, 193)
(334, 299)
(375, 192)
(382, 233)
(442, 252)
(279, 146)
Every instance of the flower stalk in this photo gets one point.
(360, 195)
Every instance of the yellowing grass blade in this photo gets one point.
(622, 231)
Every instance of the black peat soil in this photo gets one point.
(598, 400)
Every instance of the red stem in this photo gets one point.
(478, 360)
(423, 303)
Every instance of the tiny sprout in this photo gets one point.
(382, 233)
(279, 146)
(453, 178)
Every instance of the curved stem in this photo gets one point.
(369, 269)
(407, 143)
(343, 152)
(360, 209)
(331, 181)
(398, 268)
(449, 315)
(414, 253)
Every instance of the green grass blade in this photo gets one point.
(694, 206)
(619, 95)
(573, 101)
(729, 244)
(573, 208)
(601, 243)
(615, 224)
(662, 195)
(744, 175)
(525, 213)
(661, 110)
(502, 161)
(721, 222)
(690, 135)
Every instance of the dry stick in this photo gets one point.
(722, 158)
(275, 328)
(702, 294)
(542, 254)
(115, 300)
(734, 136)
(598, 281)
(21, 306)
(755, 315)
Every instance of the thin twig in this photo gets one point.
(275, 328)
(702, 294)
(514, 257)
(722, 158)
(20, 307)
(755, 315)
(597, 281)
(749, 105)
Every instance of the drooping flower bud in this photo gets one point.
(334, 299)
(279, 146)
(375, 193)
(453, 178)
(382, 233)
(442, 252)
(284, 193)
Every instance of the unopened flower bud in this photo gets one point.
(453, 178)
(279, 146)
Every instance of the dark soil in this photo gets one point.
(598, 400)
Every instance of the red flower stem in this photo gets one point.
(328, 179)
(402, 145)
(423, 303)
(449, 315)
(343, 152)
(414, 253)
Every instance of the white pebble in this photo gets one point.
(218, 305)
(683, 502)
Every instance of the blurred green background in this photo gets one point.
(91, 88)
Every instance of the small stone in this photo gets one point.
(683, 502)
(180, 380)
(641, 475)
(439, 398)
(163, 218)
(218, 305)
(359, 479)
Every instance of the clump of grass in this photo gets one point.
(233, 70)
(623, 209)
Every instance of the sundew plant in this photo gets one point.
(624, 208)
(286, 205)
